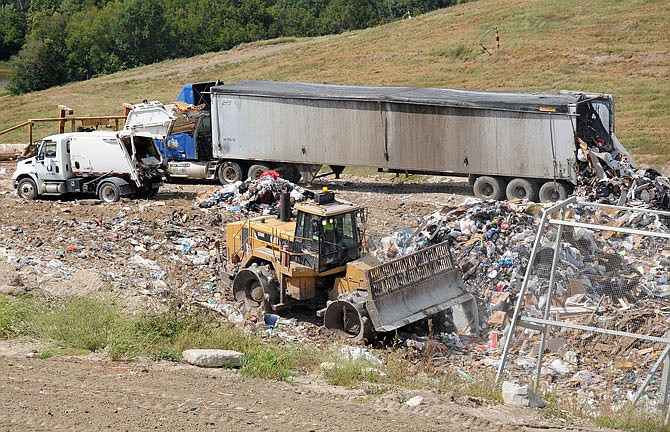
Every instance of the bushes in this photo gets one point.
(67, 41)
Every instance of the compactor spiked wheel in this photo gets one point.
(253, 288)
(350, 320)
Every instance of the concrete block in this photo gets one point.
(213, 358)
(521, 395)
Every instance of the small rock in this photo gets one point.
(415, 401)
(213, 358)
(13, 290)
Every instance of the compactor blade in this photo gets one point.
(416, 286)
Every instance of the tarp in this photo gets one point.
(527, 102)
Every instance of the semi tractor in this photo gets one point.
(315, 260)
(509, 145)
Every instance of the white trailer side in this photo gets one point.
(498, 135)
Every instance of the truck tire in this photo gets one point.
(109, 192)
(553, 191)
(27, 189)
(229, 172)
(520, 188)
(490, 188)
(255, 171)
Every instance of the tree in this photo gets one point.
(41, 63)
(12, 31)
(89, 44)
(140, 35)
(343, 15)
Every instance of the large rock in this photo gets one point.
(521, 395)
(213, 358)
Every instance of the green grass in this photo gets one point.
(348, 373)
(13, 316)
(631, 421)
(82, 325)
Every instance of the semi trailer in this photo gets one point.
(510, 145)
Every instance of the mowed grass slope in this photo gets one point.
(613, 46)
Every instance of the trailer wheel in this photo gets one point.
(291, 174)
(109, 192)
(553, 191)
(229, 172)
(520, 188)
(27, 189)
(255, 171)
(486, 187)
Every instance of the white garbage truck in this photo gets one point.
(108, 164)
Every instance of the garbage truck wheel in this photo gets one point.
(253, 289)
(255, 171)
(27, 189)
(229, 172)
(521, 188)
(349, 320)
(553, 191)
(109, 192)
(486, 187)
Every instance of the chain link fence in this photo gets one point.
(593, 311)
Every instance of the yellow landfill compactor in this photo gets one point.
(316, 260)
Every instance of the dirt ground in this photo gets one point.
(68, 247)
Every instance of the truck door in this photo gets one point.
(306, 244)
(48, 166)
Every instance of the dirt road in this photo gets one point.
(89, 394)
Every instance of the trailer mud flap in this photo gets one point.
(416, 286)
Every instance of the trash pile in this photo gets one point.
(606, 175)
(132, 252)
(610, 280)
(255, 196)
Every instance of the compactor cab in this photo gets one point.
(326, 233)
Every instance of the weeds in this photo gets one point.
(349, 373)
(80, 322)
(87, 324)
(631, 421)
(13, 314)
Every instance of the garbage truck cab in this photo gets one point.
(105, 163)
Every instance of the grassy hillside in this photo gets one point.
(613, 46)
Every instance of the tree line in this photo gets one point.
(52, 42)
